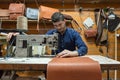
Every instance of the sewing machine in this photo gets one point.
(24, 47)
(26, 44)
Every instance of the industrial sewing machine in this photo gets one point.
(27, 44)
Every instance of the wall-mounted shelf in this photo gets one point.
(64, 1)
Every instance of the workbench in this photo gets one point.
(40, 64)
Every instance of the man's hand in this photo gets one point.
(67, 53)
(10, 35)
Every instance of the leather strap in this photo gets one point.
(74, 20)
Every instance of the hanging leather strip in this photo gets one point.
(74, 68)
(75, 20)
(100, 28)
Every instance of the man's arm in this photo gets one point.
(82, 47)
(9, 35)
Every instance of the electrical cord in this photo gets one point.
(10, 44)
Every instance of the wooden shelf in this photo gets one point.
(41, 21)
(63, 1)
(7, 20)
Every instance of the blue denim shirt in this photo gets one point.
(70, 40)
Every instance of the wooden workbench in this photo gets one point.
(41, 63)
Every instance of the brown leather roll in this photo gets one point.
(74, 68)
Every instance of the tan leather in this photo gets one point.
(74, 68)
(4, 14)
(46, 12)
(75, 22)
(16, 9)
(14, 16)
(90, 33)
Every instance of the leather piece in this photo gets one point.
(14, 16)
(4, 14)
(46, 12)
(74, 68)
(100, 28)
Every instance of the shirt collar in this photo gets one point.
(64, 32)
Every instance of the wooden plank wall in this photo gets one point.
(93, 49)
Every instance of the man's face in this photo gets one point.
(60, 26)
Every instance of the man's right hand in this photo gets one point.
(67, 53)
(10, 35)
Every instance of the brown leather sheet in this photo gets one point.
(74, 68)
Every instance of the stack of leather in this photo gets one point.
(74, 68)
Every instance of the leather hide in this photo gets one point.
(74, 68)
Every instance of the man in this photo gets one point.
(69, 39)
(70, 42)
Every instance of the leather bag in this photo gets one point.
(16, 9)
(113, 23)
(46, 12)
(4, 14)
(32, 13)
(90, 33)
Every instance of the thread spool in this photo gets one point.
(22, 23)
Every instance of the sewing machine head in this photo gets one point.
(31, 45)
